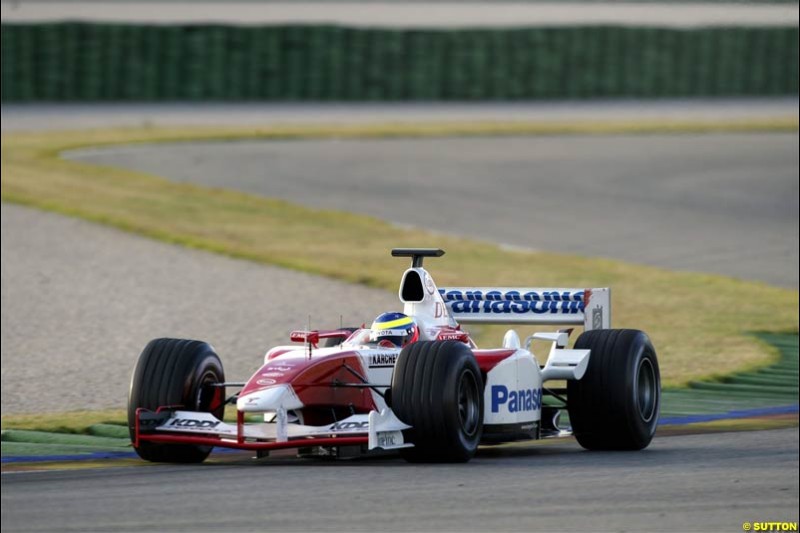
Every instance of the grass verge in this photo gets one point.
(697, 321)
(71, 422)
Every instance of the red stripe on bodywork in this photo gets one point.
(314, 384)
(313, 380)
(488, 359)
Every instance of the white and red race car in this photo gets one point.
(434, 399)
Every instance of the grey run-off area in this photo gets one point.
(719, 203)
(80, 301)
(712, 482)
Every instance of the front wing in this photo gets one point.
(378, 431)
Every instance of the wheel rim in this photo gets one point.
(646, 389)
(468, 403)
(208, 398)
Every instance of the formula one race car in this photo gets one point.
(414, 382)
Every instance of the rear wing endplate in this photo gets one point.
(590, 308)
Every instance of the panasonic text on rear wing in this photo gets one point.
(590, 308)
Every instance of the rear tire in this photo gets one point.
(176, 372)
(616, 404)
(438, 390)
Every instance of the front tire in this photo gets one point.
(438, 390)
(615, 406)
(176, 372)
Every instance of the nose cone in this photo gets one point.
(269, 399)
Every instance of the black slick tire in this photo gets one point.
(615, 406)
(438, 390)
(176, 372)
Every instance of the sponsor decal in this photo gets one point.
(149, 421)
(266, 381)
(429, 284)
(597, 318)
(388, 438)
(382, 360)
(452, 336)
(515, 401)
(389, 333)
(504, 302)
(278, 368)
(513, 296)
(272, 374)
(517, 307)
(350, 426)
(193, 423)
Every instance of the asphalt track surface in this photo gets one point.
(712, 482)
(720, 203)
(414, 14)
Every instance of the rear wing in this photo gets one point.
(432, 306)
(590, 308)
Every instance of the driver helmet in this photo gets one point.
(394, 329)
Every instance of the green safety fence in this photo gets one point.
(129, 62)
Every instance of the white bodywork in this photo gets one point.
(513, 391)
